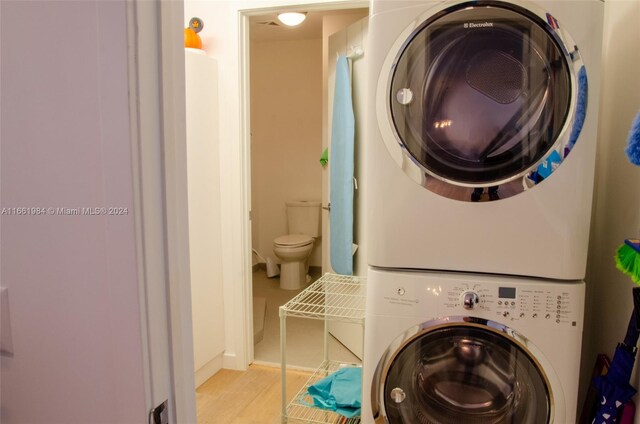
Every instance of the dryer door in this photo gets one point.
(470, 371)
(482, 95)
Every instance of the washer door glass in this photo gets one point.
(479, 94)
(465, 374)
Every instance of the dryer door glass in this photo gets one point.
(465, 374)
(480, 93)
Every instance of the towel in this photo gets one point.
(340, 392)
(341, 172)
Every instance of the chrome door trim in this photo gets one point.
(566, 138)
(556, 401)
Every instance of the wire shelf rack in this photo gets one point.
(299, 409)
(332, 297)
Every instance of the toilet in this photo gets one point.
(293, 249)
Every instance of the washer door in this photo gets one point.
(470, 371)
(481, 95)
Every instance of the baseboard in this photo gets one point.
(208, 370)
(230, 362)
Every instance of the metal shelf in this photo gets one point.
(299, 409)
(332, 298)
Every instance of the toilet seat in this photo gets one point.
(293, 240)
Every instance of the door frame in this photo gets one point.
(158, 150)
(244, 15)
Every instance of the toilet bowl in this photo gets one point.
(293, 251)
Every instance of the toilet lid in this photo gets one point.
(293, 240)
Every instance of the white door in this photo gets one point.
(348, 41)
(90, 323)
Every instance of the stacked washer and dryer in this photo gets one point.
(481, 132)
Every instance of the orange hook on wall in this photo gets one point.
(191, 37)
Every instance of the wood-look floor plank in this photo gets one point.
(245, 397)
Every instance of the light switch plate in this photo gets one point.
(6, 341)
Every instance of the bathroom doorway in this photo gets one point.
(289, 85)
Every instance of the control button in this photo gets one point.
(513, 303)
(505, 314)
(499, 302)
(470, 300)
(558, 321)
(398, 395)
(535, 315)
(547, 316)
(521, 314)
(401, 291)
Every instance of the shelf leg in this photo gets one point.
(283, 364)
(326, 340)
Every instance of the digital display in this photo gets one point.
(507, 292)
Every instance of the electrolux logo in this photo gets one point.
(478, 25)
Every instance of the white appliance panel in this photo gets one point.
(548, 314)
(540, 232)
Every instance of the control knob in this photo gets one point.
(470, 299)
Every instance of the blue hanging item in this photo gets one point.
(340, 392)
(581, 107)
(545, 169)
(341, 172)
(614, 389)
(633, 143)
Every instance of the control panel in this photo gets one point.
(511, 303)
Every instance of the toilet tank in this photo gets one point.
(303, 217)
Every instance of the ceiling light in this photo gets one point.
(292, 18)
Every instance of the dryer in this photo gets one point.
(481, 131)
(454, 348)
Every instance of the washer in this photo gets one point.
(482, 126)
(460, 348)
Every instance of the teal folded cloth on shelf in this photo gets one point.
(340, 392)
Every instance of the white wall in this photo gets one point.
(286, 135)
(72, 280)
(617, 198)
